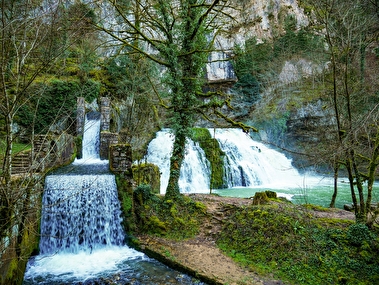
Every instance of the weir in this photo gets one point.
(82, 241)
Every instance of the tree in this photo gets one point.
(30, 48)
(177, 35)
(349, 30)
(131, 81)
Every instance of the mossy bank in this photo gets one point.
(274, 242)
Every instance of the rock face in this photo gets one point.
(251, 19)
(305, 123)
(284, 118)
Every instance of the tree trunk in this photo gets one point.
(371, 172)
(173, 191)
(335, 176)
(351, 183)
(7, 164)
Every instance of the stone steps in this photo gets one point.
(21, 162)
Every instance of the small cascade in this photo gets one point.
(249, 163)
(82, 241)
(195, 171)
(91, 142)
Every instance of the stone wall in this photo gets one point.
(120, 159)
(52, 151)
(105, 111)
(107, 139)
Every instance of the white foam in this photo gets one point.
(81, 265)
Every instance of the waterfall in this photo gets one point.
(81, 235)
(195, 171)
(91, 140)
(247, 163)
(80, 213)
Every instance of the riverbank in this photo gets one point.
(200, 256)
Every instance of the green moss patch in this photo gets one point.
(284, 240)
(213, 153)
(154, 215)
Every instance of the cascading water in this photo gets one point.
(82, 241)
(249, 167)
(195, 171)
(249, 163)
(91, 141)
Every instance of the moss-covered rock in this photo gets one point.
(125, 194)
(23, 238)
(271, 194)
(147, 173)
(260, 198)
(214, 154)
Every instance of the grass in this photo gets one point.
(285, 241)
(17, 147)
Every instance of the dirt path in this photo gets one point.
(200, 255)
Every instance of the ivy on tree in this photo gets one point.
(180, 35)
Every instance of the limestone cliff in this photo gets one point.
(258, 19)
(287, 115)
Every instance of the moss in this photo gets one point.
(12, 270)
(148, 174)
(16, 267)
(156, 225)
(260, 198)
(179, 219)
(78, 145)
(214, 154)
(271, 194)
(125, 194)
(280, 239)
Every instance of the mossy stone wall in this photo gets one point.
(22, 234)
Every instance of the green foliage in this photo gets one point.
(248, 87)
(300, 42)
(276, 239)
(255, 62)
(57, 102)
(252, 58)
(214, 154)
(358, 234)
(127, 76)
(144, 193)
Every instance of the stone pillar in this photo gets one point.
(106, 140)
(105, 111)
(120, 159)
(80, 115)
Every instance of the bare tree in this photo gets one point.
(30, 47)
(349, 29)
